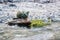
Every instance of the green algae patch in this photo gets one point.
(38, 23)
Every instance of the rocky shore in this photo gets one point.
(40, 11)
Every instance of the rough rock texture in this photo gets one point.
(50, 32)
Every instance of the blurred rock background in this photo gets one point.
(41, 9)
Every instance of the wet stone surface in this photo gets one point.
(50, 32)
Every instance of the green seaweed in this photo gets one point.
(38, 23)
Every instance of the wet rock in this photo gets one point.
(12, 5)
(56, 36)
